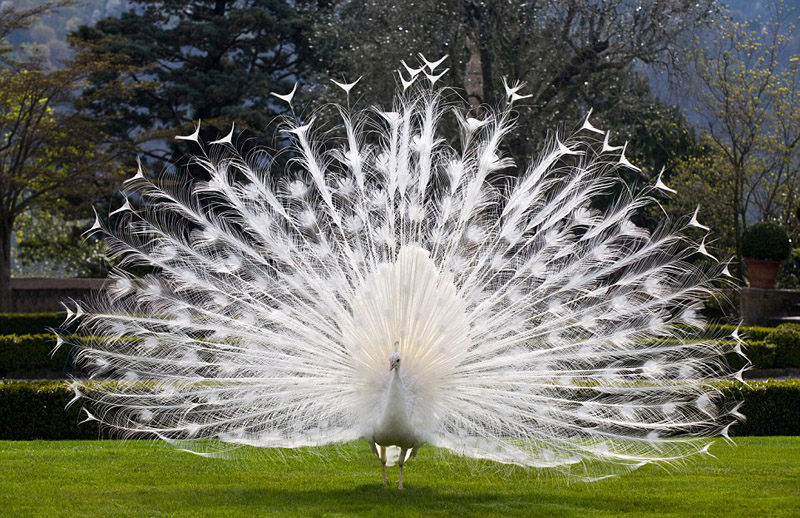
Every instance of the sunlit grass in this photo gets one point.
(758, 477)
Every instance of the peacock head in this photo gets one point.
(394, 361)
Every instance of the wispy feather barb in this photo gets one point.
(534, 328)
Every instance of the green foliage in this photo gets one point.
(770, 407)
(750, 333)
(48, 153)
(52, 153)
(29, 323)
(789, 272)
(766, 241)
(169, 64)
(37, 410)
(747, 96)
(132, 479)
(702, 179)
(761, 344)
(23, 355)
(760, 353)
(786, 338)
(50, 245)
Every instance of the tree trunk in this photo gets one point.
(739, 222)
(5, 265)
(480, 42)
(473, 79)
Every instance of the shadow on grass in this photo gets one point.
(369, 499)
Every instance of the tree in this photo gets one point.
(49, 150)
(748, 98)
(573, 55)
(49, 242)
(15, 18)
(178, 62)
(702, 180)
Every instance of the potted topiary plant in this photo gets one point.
(764, 246)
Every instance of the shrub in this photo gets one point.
(36, 410)
(29, 323)
(20, 354)
(786, 338)
(721, 308)
(766, 241)
(754, 333)
(760, 353)
(770, 407)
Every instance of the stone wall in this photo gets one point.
(766, 307)
(37, 295)
(40, 295)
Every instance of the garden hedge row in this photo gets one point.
(25, 353)
(786, 338)
(770, 407)
(29, 323)
(36, 410)
(761, 354)
(752, 333)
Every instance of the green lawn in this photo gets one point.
(759, 477)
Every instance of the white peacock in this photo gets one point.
(389, 292)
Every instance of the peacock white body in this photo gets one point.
(384, 289)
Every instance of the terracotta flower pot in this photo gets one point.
(762, 273)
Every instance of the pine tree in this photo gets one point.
(210, 60)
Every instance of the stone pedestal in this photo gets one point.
(761, 307)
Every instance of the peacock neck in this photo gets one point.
(396, 389)
(394, 428)
(395, 410)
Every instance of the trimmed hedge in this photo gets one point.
(786, 338)
(766, 347)
(770, 407)
(22, 355)
(754, 333)
(761, 354)
(32, 352)
(36, 410)
(29, 323)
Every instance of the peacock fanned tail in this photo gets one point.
(534, 328)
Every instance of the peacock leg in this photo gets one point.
(403, 452)
(383, 462)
